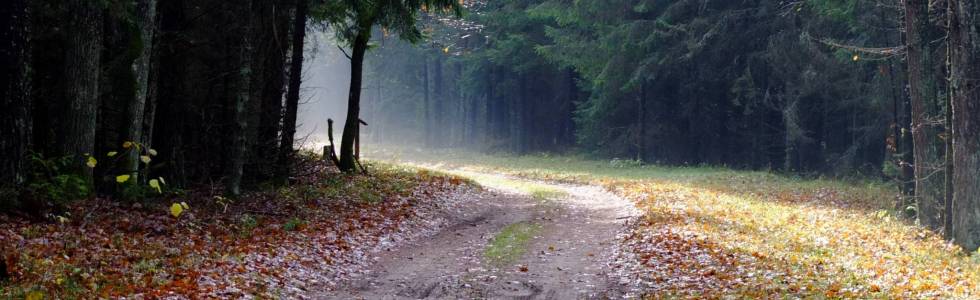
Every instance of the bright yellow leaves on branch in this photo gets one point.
(122, 178)
(91, 162)
(177, 209)
(155, 184)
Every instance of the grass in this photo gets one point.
(756, 234)
(538, 191)
(510, 243)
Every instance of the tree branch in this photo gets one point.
(344, 52)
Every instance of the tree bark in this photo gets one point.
(929, 185)
(352, 124)
(426, 114)
(965, 41)
(295, 82)
(640, 126)
(948, 122)
(81, 75)
(15, 97)
(439, 101)
(269, 85)
(237, 153)
(145, 23)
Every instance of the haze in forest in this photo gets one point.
(326, 83)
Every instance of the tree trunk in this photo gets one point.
(15, 97)
(426, 114)
(438, 101)
(352, 124)
(237, 153)
(929, 186)
(640, 126)
(81, 75)
(965, 41)
(948, 122)
(269, 83)
(295, 82)
(145, 21)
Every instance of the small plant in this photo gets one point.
(177, 209)
(54, 180)
(293, 224)
(126, 176)
(247, 223)
(223, 202)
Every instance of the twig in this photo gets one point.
(344, 52)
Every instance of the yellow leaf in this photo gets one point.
(35, 295)
(145, 159)
(111, 154)
(91, 162)
(122, 178)
(156, 185)
(152, 152)
(127, 145)
(162, 181)
(856, 58)
(176, 209)
(184, 204)
(445, 50)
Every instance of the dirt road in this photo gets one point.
(571, 230)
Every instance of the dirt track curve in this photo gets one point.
(567, 258)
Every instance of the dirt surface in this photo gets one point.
(567, 258)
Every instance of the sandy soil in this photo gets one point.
(569, 258)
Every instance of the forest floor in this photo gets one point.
(706, 233)
(279, 242)
(545, 227)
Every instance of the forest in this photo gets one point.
(531, 149)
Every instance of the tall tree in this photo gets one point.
(15, 99)
(136, 114)
(292, 92)
(929, 184)
(271, 36)
(239, 111)
(81, 77)
(354, 20)
(964, 38)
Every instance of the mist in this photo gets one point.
(325, 87)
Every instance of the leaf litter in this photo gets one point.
(218, 248)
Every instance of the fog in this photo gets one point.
(326, 81)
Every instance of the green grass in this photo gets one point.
(538, 191)
(510, 243)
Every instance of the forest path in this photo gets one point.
(522, 239)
